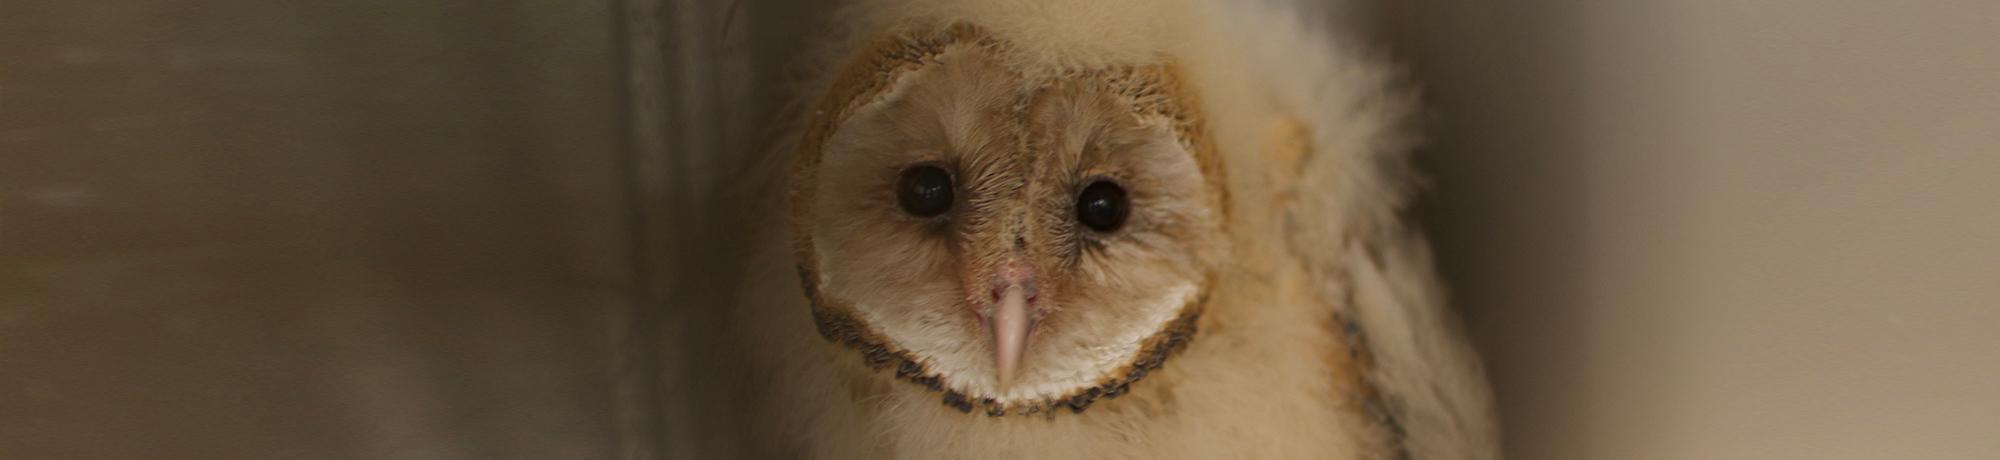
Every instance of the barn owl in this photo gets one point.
(1108, 229)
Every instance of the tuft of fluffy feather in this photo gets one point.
(1342, 197)
(1048, 35)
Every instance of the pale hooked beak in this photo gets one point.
(1010, 324)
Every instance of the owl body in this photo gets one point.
(1150, 230)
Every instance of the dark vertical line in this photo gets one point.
(634, 345)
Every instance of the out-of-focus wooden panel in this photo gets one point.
(247, 229)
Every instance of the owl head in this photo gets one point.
(1018, 235)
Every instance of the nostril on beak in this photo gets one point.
(1027, 289)
(1013, 273)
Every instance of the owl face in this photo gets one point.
(1014, 242)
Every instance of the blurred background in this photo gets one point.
(379, 229)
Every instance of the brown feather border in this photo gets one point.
(836, 323)
(868, 75)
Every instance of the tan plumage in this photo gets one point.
(1263, 299)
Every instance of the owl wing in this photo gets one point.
(1341, 165)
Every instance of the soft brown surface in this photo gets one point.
(249, 229)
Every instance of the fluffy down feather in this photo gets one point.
(1326, 335)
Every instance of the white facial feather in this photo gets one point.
(1019, 151)
(1268, 169)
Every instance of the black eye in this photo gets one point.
(1102, 206)
(924, 191)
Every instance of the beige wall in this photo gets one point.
(1721, 228)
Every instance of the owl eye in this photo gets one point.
(1102, 206)
(924, 191)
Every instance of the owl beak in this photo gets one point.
(1010, 324)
